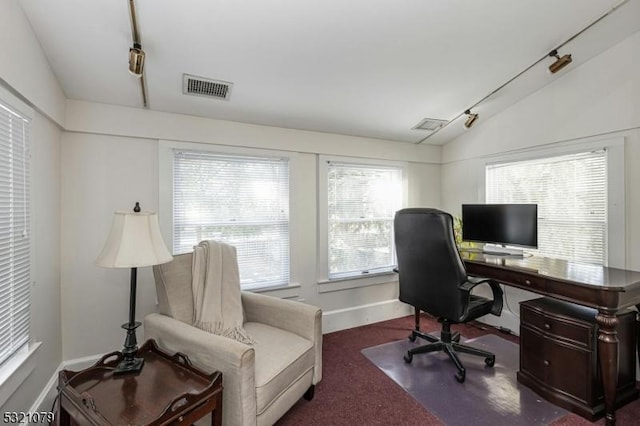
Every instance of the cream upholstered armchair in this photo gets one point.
(261, 381)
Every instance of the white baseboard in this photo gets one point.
(45, 400)
(506, 320)
(81, 363)
(341, 319)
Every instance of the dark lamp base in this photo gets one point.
(129, 366)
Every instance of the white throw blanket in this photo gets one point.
(216, 291)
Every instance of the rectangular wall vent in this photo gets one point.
(199, 86)
(431, 124)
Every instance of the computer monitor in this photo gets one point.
(506, 224)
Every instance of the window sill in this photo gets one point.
(286, 291)
(16, 369)
(339, 284)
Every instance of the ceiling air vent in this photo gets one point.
(199, 86)
(431, 124)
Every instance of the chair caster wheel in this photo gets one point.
(491, 361)
(408, 358)
(412, 337)
(460, 376)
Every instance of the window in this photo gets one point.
(243, 201)
(15, 251)
(361, 202)
(571, 193)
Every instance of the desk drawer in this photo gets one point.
(559, 355)
(523, 280)
(578, 333)
(560, 366)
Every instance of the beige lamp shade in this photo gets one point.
(134, 241)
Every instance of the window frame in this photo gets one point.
(615, 244)
(346, 282)
(165, 201)
(17, 367)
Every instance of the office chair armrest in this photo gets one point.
(472, 282)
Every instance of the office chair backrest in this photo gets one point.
(429, 263)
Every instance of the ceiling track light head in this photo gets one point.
(471, 119)
(560, 62)
(136, 60)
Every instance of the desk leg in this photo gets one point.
(608, 354)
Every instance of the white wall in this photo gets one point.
(25, 72)
(110, 159)
(599, 100)
(24, 69)
(45, 291)
(101, 174)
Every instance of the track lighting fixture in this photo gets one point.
(136, 60)
(561, 61)
(136, 54)
(471, 120)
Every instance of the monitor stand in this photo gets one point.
(500, 250)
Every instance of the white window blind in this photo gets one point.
(571, 193)
(15, 257)
(362, 201)
(243, 201)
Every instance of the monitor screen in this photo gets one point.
(508, 224)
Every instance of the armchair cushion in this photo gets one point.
(298, 318)
(281, 358)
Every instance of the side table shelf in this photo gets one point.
(168, 391)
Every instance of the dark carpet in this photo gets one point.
(353, 391)
(430, 380)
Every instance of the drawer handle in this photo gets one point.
(527, 282)
(546, 363)
(181, 419)
(547, 326)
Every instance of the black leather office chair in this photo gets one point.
(433, 279)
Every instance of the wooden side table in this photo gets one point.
(168, 391)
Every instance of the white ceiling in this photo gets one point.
(371, 68)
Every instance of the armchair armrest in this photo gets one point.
(472, 282)
(296, 317)
(209, 353)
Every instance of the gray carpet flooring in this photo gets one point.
(489, 396)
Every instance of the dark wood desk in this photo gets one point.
(606, 289)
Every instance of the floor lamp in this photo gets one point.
(134, 241)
